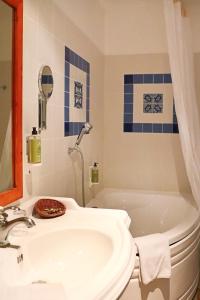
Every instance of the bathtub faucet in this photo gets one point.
(6, 226)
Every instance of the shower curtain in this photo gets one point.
(182, 69)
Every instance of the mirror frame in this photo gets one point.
(16, 192)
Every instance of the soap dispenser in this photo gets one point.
(34, 147)
(94, 174)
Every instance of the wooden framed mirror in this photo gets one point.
(11, 20)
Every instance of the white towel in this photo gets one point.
(34, 292)
(154, 253)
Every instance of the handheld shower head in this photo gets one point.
(85, 130)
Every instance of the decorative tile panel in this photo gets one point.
(148, 104)
(76, 92)
(152, 103)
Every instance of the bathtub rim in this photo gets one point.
(178, 232)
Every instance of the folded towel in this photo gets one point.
(34, 292)
(154, 253)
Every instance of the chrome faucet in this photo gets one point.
(6, 226)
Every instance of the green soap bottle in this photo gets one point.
(34, 147)
(95, 174)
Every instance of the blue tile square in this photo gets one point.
(67, 69)
(167, 78)
(88, 79)
(66, 103)
(128, 98)
(67, 54)
(72, 57)
(66, 114)
(148, 78)
(138, 78)
(87, 92)
(87, 67)
(87, 116)
(128, 118)
(87, 104)
(66, 128)
(71, 128)
(76, 60)
(168, 128)
(128, 79)
(76, 128)
(128, 88)
(66, 84)
(175, 119)
(175, 128)
(158, 78)
(128, 108)
(137, 127)
(128, 127)
(147, 127)
(157, 127)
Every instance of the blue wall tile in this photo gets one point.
(128, 98)
(66, 114)
(73, 128)
(167, 128)
(157, 127)
(128, 127)
(138, 78)
(67, 54)
(148, 78)
(137, 127)
(128, 88)
(128, 79)
(67, 69)
(158, 78)
(128, 108)
(128, 118)
(175, 128)
(66, 84)
(147, 127)
(66, 128)
(66, 103)
(167, 78)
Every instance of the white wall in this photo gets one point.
(88, 16)
(46, 31)
(133, 27)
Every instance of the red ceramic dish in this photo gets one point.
(49, 208)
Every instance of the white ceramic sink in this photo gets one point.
(78, 255)
(89, 251)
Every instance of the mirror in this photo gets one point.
(10, 100)
(45, 84)
(6, 178)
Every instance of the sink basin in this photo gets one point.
(88, 251)
(77, 255)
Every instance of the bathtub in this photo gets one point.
(176, 216)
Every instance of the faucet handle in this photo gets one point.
(16, 210)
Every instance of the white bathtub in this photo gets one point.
(174, 215)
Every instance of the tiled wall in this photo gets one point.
(47, 32)
(143, 156)
(148, 104)
(76, 93)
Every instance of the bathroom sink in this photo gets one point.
(89, 251)
(77, 255)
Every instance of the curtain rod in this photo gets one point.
(183, 10)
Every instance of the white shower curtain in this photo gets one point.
(182, 69)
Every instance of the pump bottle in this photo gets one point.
(34, 147)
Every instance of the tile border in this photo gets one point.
(72, 58)
(128, 123)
